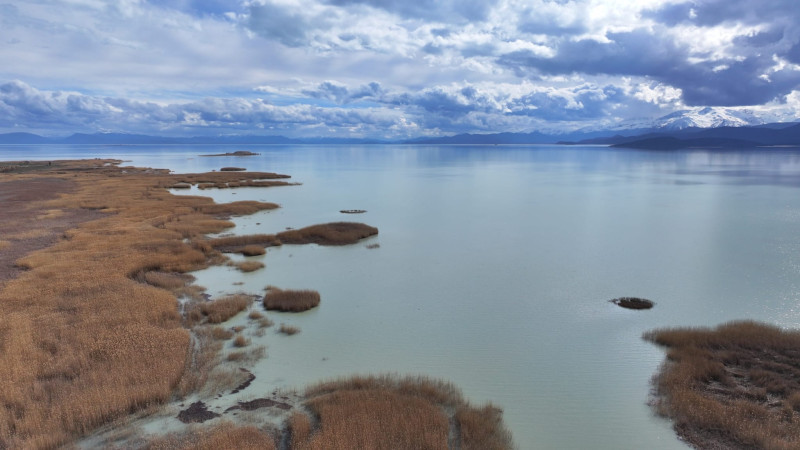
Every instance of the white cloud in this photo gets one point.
(503, 63)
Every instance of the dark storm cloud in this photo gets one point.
(747, 80)
(762, 39)
(633, 53)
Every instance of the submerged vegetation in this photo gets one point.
(734, 386)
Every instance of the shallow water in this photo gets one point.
(496, 265)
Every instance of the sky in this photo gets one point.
(388, 68)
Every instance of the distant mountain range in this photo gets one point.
(706, 127)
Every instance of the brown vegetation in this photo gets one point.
(219, 311)
(252, 250)
(248, 266)
(87, 336)
(236, 153)
(221, 436)
(288, 330)
(735, 386)
(221, 334)
(241, 341)
(290, 300)
(633, 302)
(394, 413)
(336, 233)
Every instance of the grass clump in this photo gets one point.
(241, 341)
(390, 412)
(252, 250)
(290, 300)
(223, 309)
(221, 334)
(733, 386)
(336, 233)
(288, 330)
(223, 435)
(248, 266)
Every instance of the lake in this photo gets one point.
(496, 264)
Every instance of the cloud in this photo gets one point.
(279, 22)
(709, 13)
(740, 80)
(302, 66)
(60, 111)
(437, 10)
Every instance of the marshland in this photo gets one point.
(493, 272)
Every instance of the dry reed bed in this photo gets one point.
(83, 343)
(290, 300)
(248, 266)
(391, 412)
(734, 386)
(222, 436)
(335, 233)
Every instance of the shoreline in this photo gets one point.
(102, 185)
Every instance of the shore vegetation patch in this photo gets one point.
(290, 300)
(394, 413)
(735, 386)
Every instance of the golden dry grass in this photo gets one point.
(225, 435)
(221, 334)
(288, 330)
(252, 250)
(290, 300)
(241, 341)
(249, 266)
(83, 342)
(734, 386)
(390, 412)
(219, 311)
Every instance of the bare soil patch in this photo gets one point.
(197, 412)
(25, 224)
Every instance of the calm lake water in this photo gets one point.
(496, 265)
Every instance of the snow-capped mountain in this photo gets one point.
(708, 117)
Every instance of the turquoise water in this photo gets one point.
(496, 263)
